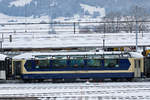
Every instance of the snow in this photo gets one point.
(136, 55)
(92, 9)
(32, 55)
(31, 35)
(19, 3)
(60, 40)
(23, 56)
(147, 48)
(2, 57)
(124, 90)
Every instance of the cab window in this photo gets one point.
(28, 64)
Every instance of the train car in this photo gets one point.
(76, 65)
(147, 66)
(2, 67)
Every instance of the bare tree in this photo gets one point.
(113, 25)
(139, 14)
(129, 24)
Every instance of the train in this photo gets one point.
(74, 66)
(2, 70)
(5, 67)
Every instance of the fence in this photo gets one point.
(76, 27)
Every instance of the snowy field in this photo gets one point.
(33, 40)
(31, 35)
(78, 91)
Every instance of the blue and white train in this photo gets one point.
(78, 65)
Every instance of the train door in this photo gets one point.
(147, 66)
(8, 67)
(17, 68)
(2, 70)
(137, 68)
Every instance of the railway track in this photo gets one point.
(81, 98)
(77, 91)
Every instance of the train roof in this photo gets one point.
(103, 54)
(2, 57)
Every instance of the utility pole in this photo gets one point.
(52, 4)
(1, 44)
(104, 35)
(25, 18)
(74, 24)
(136, 29)
(104, 38)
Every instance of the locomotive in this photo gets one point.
(76, 65)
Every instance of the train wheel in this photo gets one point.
(56, 80)
(40, 80)
(26, 81)
(69, 80)
(129, 79)
(114, 79)
(97, 80)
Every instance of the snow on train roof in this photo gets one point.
(38, 54)
(136, 54)
(2, 57)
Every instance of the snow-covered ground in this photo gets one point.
(31, 35)
(2, 57)
(33, 40)
(86, 91)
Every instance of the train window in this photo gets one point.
(111, 63)
(42, 64)
(59, 57)
(59, 63)
(37, 63)
(2, 65)
(89, 57)
(76, 57)
(76, 63)
(28, 64)
(41, 56)
(94, 63)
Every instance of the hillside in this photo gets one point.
(68, 8)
